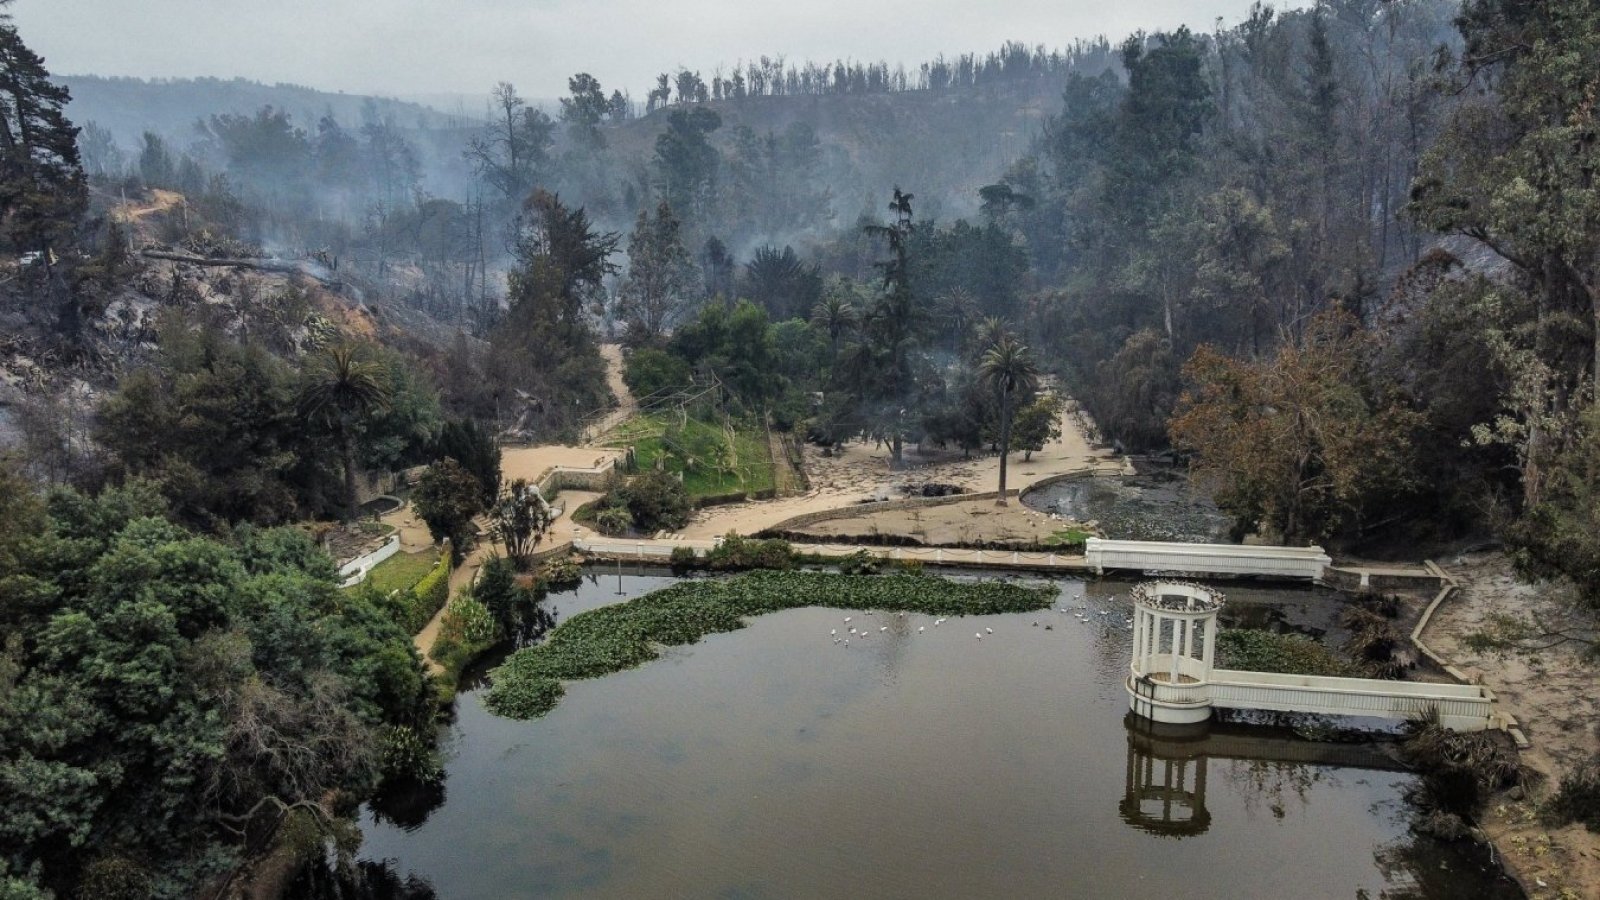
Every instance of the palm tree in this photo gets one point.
(991, 330)
(835, 315)
(342, 387)
(1008, 369)
(961, 309)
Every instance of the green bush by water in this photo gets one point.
(614, 638)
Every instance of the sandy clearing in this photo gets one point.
(1553, 696)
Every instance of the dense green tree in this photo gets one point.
(544, 346)
(657, 500)
(167, 700)
(891, 328)
(475, 448)
(1036, 425)
(214, 424)
(649, 371)
(447, 497)
(156, 168)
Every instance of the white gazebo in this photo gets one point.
(1174, 649)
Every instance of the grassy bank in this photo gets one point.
(626, 635)
(714, 461)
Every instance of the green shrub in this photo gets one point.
(1578, 799)
(614, 638)
(613, 520)
(471, 619)
(736, 553)
(649, 370)
(657, 500)
(429, 596)
(562, 570)
(861, 563)
(684, 557)
(403, 755)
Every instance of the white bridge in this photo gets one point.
(1207, 559)
(1172, 678)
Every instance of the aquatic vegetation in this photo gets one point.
(1291, 654)
(614, 638)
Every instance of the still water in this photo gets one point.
(772, 762)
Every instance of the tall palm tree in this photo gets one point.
(342, 387)
(1008, 369)
(835, 315)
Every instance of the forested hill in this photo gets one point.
(128, 107)
(947, 144)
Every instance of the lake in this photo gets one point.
(918, 762)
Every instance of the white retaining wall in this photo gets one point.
(1208, 559)
(355, 571)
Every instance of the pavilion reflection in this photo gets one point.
(1164, 791)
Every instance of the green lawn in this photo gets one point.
(402, 571)
(711, 465)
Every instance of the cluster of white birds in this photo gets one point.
(1081, 612)
(860, 634)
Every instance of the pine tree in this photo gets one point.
(661, 276)
(42, 188)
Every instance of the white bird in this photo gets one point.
(852, 629)
(847, 643)
(978, 635)
(921, 628)
(847, 619)
(884, 628)
(834, 631)
(988, 631)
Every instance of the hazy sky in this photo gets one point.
(446, 46)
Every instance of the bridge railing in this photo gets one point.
(1463, 707)
(1213, 559)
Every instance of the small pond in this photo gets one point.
(1157, 507)
(921, 762)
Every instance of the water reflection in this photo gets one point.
(1164, 791)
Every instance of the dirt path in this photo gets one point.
(626, 404)
(1552, 694)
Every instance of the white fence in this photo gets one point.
(1208, 559)
(355, 571)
